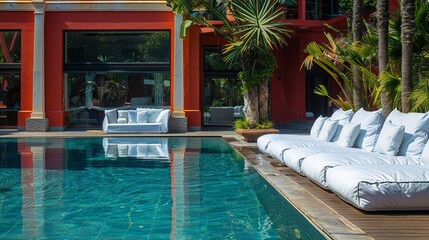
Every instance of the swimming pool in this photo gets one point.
(138, 188)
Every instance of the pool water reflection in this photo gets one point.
(138, 188)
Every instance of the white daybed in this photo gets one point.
(361, 133)
(387, 170)
(287, 141)
(377, 187)
(402, 144)
(141, 120)
(357, 136)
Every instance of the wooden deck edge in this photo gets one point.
(323, 217)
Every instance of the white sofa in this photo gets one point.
(404, 147)
(383, 171)
(140, 148)
(141, 120)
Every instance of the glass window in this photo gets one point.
(119, 69)
(10, 43)
(118, 47)
(10, 77)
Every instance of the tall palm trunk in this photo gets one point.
(251, 106)
(407, 34)
(383, 54)
(263, 99)
(357, 26)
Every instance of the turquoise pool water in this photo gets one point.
(138, 188)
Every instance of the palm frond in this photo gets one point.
(419, 98)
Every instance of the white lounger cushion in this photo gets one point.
(315, 166)
(377, 187)
(264, 140)
(276, 148)
(293, 158)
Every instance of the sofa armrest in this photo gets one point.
(163, 118)
(105, 124)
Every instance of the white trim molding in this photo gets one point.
(79, 5)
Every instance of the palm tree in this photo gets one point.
(383, 48)
(407, 32)
(252, 32)
(357, 28)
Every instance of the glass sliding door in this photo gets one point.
(223, 100)
(115, 69)
(10, 77)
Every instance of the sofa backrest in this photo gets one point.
(221, 114)
(152, 113)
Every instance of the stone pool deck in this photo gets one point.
(335, 218)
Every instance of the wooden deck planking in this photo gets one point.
(379, 225)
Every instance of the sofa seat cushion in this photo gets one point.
(293, 158)
(381, 187)
(135, 127)
(315, 166)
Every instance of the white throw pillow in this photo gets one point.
(371, 123)
(415, 137)
(348, 134)
(425, 155)
(132, 116)
(342, 116)
(390, 139)
(111, 115)
(317, 126)
(123, 114)
(396, 117)
(328, 130)
(141, 116)
(122, 120)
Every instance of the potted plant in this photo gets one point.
(251, 131)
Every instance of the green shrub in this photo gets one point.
(241, 123)
(265, 124)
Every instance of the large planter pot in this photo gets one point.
(251, 135)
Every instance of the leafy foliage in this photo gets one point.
(252, 30)
(242, 123)
(338, 56)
